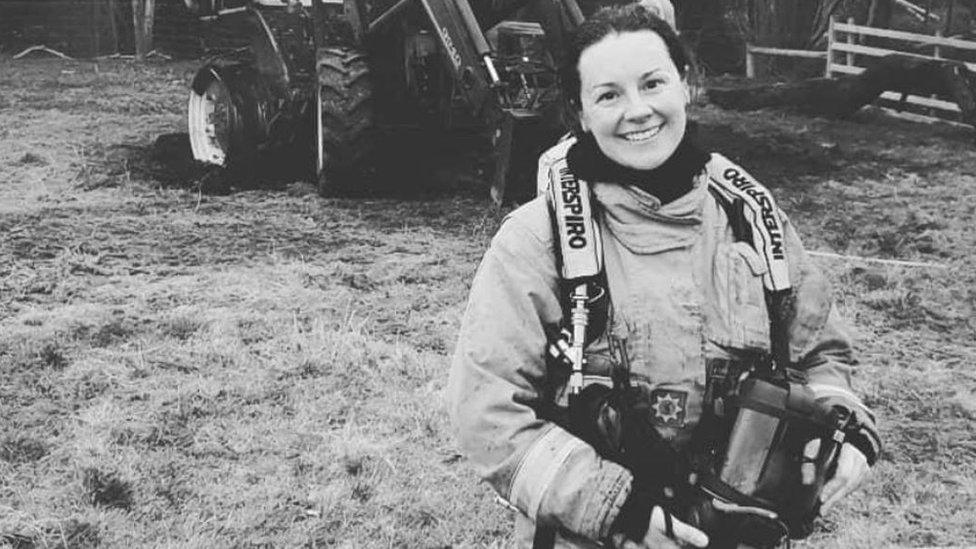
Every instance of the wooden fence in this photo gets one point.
(847, 53)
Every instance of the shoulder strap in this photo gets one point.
(579, 260)
(757, 207)
(755, 219)
(579, 247)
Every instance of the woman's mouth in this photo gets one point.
(642, 135)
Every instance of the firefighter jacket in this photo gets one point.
(683, 292)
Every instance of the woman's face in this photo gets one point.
(632, 98)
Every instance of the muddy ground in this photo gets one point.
(265, 367)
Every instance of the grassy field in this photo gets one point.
(266, 368)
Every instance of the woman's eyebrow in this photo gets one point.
(610, 84)
(613, 84)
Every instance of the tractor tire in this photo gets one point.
(346, 133)
(218, 125)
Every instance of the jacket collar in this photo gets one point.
(642, 224)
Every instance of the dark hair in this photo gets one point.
(615, 20)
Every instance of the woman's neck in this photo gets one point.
(667, 182)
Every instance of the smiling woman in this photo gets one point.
(620, 376)
(632, 99)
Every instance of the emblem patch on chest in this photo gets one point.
(668, 407)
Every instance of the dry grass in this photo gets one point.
(266, 368)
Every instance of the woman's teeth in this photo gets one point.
(642, 135)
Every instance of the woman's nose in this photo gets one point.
(637, 107)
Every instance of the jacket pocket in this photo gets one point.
(741, 320)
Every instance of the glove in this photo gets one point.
(661, 531)
(852, 468)
(852, 464)
(616, 423)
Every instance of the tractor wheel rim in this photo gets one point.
(211, 119)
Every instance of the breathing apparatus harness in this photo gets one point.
(743, 465)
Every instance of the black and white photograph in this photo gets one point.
(539, 274)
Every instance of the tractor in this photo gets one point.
(341, 74)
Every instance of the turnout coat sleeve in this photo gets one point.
(548, 474)
(820, 343)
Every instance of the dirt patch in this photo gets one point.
(409, 167)
(777, 157)
(22, 450)
(783, 146)
(73, 534)
(106, 489)
(32, 159)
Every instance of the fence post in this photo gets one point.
(936, 53)
(143, 12)
(849, 58)
(113, 12)
(750, 62)
(830, 46)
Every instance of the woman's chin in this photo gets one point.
(642, 161)
(646, 157)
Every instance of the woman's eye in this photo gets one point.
(606, 96)
(652, 84)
